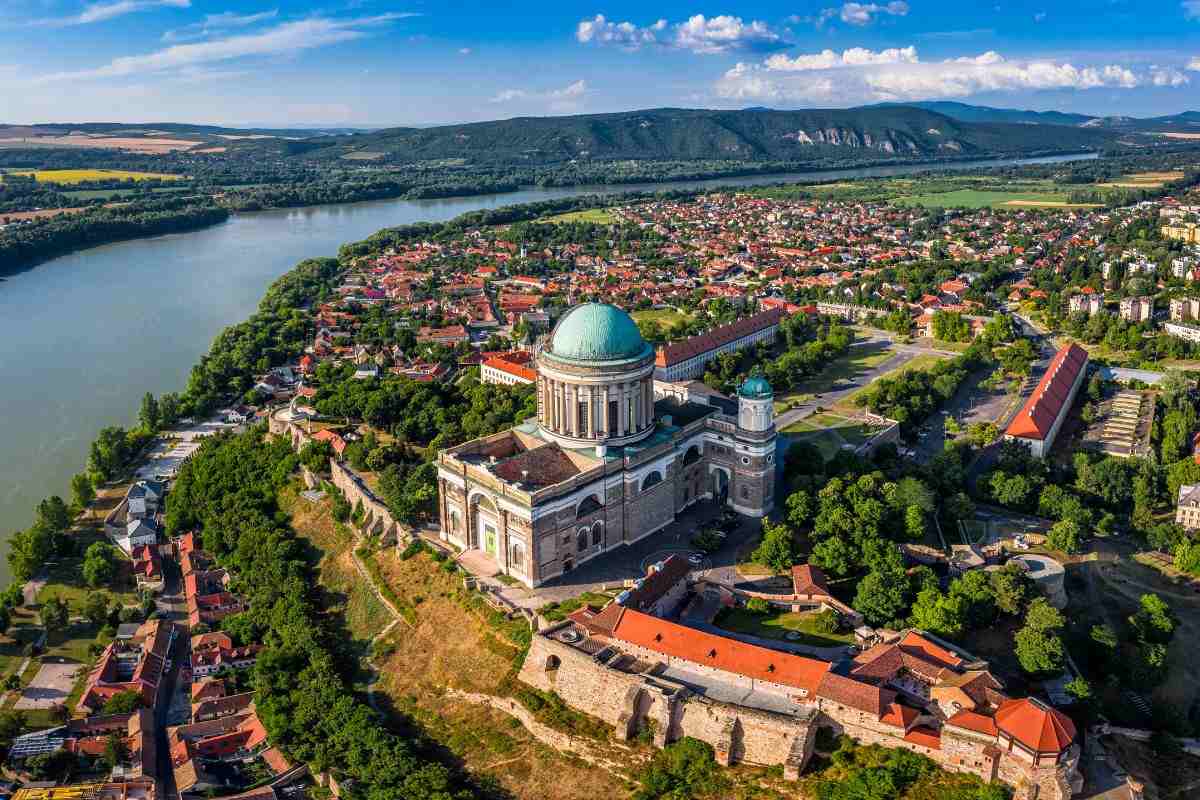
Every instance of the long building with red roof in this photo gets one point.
(1040, 419)
(687, 358)
(761, 705)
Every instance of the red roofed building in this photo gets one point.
(1040, 419)
(687, 359)
(508, 369)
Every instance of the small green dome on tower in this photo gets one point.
(756, 388)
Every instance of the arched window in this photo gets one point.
(653, 479)
(745, 493)
(454, 521)
(552, 663)
(691, 456)
(582, 542)
(597, 534)
(590, 503)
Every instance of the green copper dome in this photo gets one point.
(756, 388)
(597, 332)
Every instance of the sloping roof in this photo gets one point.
(925, 737)
(914, 643)
(718, 337)
(512, 368)
(900, 716)
(856, 694)
(807, 579)
(1037, 416)
(718, 652)
(1036, 725)
(658, 582)
(971, 721)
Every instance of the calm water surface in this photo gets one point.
(84, 336)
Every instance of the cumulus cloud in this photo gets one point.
(1191, 9)
(217, 23)
(1194, 64)
(104, 11)
(287, 38)
(698, 34)
(464, 51)
(564, 99)
(859, 75)
(828, 59)
(866, 13)
(1169, 76)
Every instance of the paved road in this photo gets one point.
(845, 388)
(171, 606)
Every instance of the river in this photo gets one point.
(86, 335)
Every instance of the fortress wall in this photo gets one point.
(377, 520)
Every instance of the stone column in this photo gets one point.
(604, 410)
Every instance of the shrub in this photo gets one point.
(757, 605)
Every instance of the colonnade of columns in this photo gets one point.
(595, 412)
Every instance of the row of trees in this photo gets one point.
(910, 397)
(227, 492)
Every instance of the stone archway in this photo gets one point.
(483, 525)
(720, 485)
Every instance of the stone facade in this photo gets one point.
(629, 689)
(605, 464)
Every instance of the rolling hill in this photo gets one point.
(1187, 121)
(870, 133)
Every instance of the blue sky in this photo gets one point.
(391, 62)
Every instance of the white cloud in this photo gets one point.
(699, 34)
(854, 57)
(464, 51)
(215, 23)
(104, 11)
(1191, 9)
(865, 13)
(1168, 76)
(288, 38)
(858, 75)
(1194, 64)
(564, 99)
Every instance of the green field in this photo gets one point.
(778, 625)
(857, 361)
(916, 362)
(830, 432)
(597, 216)
(972, 198)
(70, 176)
(663, 317)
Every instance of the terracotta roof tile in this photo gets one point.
(856, 694)
(718, 652)
(717, 337)
(1037, 416)
(807, 579)
(973, 722)
(1036, 725)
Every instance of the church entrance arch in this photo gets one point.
(483, 528)
(720, 485)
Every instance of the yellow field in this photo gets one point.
(1144, 180)
(1049, 204)
(70, 176)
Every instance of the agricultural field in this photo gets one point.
(73, 176)
(975, 198)
(134, 144)
(596, 216)
(1144, 180)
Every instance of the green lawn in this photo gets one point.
(917, 362)
(778, 625)
(66, 577)
(973, 198)
(857, 361)
(663, 317)
(558, 611)
(597, 216)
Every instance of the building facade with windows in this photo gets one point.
(605, 463)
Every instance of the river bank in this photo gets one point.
(87, 334)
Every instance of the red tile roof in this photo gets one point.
(1036, 725)
(807, 579)
(916, 644)
(512, 368)
(717, 337)
(718, 652)
(856, 694)
(899, 716)
(1037, 416)
(925, 737)
(979, 723)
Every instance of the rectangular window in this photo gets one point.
(582, 418)
(612, 416)
(633, 404)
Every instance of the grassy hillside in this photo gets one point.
(810, 135)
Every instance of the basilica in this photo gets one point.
(612, 457)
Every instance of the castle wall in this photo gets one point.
(632, 702)
(377, 520)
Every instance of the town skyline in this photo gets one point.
(378, 64)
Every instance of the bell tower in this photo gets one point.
(756, 405)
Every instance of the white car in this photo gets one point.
(696, 559)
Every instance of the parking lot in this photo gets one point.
(1122, 424)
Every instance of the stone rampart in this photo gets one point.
(377, 519)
